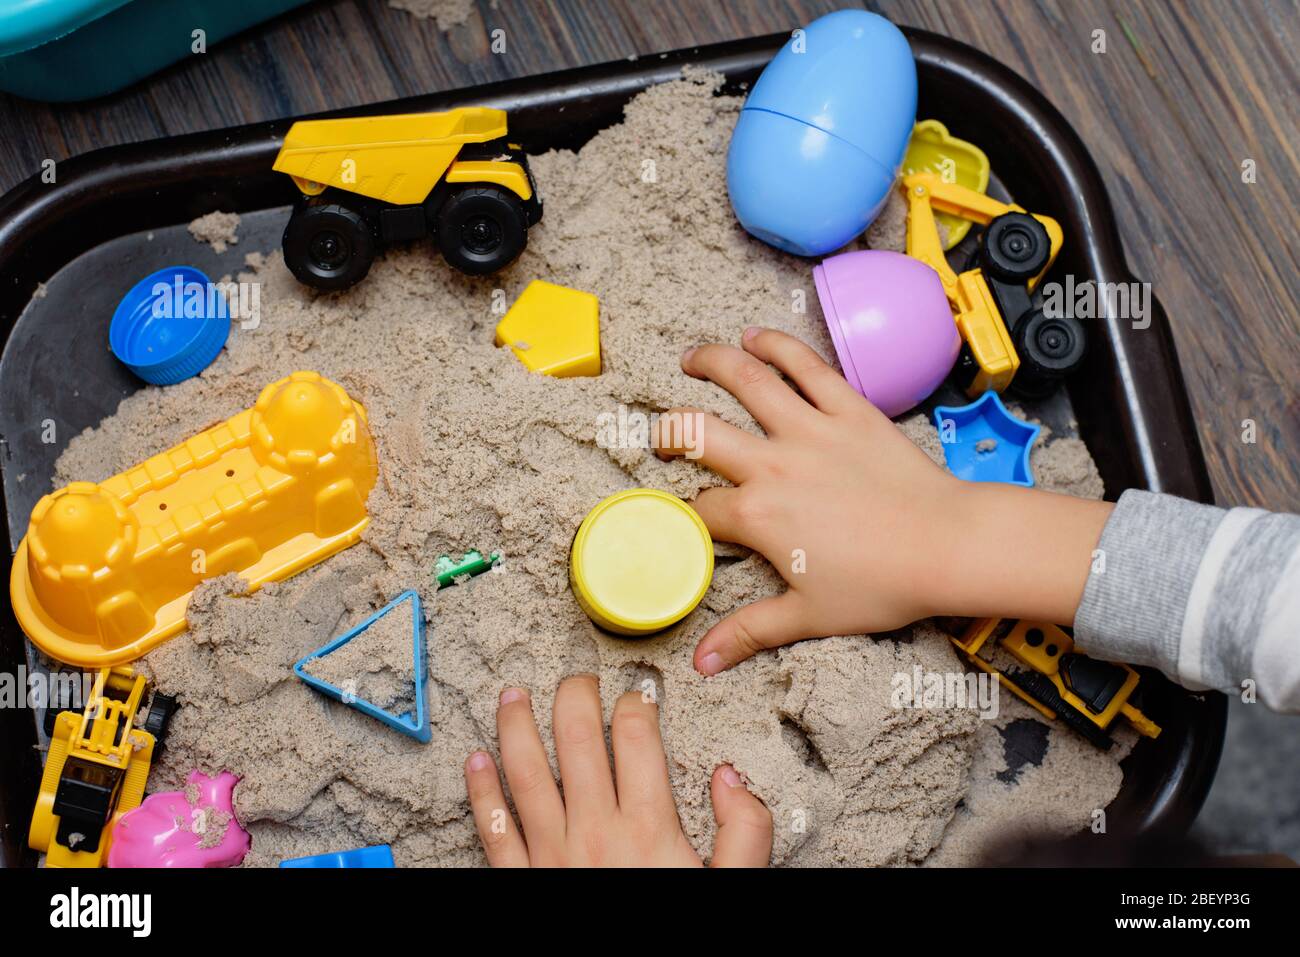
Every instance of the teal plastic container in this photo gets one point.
(63, 50)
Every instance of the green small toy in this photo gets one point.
(471, 563)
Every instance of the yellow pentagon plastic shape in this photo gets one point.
(641, 561)
(933, 149)
(554, 330)
(397, 159)
(106, 570)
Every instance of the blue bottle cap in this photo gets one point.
(170, 326)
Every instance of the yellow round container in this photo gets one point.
(641, 561)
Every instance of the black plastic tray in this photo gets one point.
(1130, 401)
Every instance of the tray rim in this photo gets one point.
(215, 166)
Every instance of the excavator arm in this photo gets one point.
(923, 240)
(928, 194)
(974, 306)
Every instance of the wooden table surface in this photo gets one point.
(1184, 94)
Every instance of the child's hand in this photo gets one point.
(868, 532)
(628, 819)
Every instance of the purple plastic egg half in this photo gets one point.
(890, 321)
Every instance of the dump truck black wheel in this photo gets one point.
(328, 247)
(481, 229)
(1015, 247)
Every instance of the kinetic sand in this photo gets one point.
(475, 452)
(219, 230)
(377, 665)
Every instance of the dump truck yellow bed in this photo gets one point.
(396, 159)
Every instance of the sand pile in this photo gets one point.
(219, 230)
(475, 452)
(378, 665)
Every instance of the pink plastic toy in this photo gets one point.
(891, 325)
(191, 828)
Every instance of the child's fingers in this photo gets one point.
(579, 729)
(537, 799)
(744, 836)
(731, 452)
(502, 842)
(717, 507)
(743, 515)
(820, 384)
(769, 400)
(640, 765)
(764, 624)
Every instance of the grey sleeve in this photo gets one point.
(1209, 596)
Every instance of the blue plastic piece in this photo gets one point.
(416, 725)
(78, 49)
(170, 326)
(381, 855)
(985, 442)
(821, 138)
(29, 23)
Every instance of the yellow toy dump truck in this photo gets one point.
(369, 181)
(96, 769)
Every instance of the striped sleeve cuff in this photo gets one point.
(1210, 597)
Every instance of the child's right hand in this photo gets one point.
(868, 532)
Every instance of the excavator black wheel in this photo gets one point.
(1050, 348)
(1015, 247)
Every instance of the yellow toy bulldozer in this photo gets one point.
(369, 181)
(96, 768)
(1085, 694)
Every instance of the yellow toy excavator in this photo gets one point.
(1005, 338)
(372, 180)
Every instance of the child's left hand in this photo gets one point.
(624, 820)
(858, 520)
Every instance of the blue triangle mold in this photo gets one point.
(417, 725)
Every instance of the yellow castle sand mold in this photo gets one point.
(106, 570)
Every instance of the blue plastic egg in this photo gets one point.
(819, 141)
